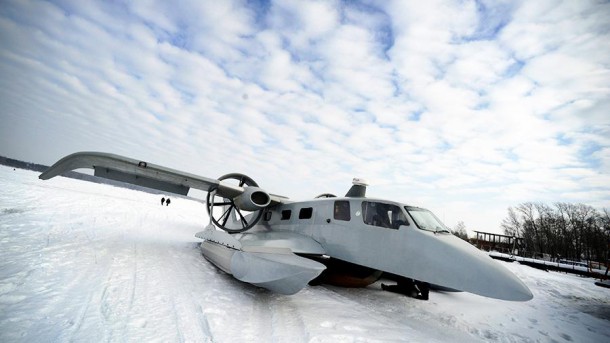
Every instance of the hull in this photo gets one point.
(436, 258)
(278, 270)
(334, 227)
(219, 255)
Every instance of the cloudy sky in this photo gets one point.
(463, 107)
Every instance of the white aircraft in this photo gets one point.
(282, 245)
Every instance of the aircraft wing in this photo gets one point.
(143, 174)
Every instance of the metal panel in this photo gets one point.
(140, 180)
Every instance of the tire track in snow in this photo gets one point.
(58, 269)
(191, 322)
(118, 294)
(287, 321)
(80, 319)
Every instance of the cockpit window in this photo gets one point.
(426, 220)
(383, 215)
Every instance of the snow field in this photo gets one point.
(89, 262)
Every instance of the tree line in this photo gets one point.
(564, 230)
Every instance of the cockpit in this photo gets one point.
(393, 216)
(425, 219)
(383, 215)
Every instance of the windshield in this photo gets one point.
(425, 220)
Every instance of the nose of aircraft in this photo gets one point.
(446, 260)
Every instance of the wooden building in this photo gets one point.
(502, 243)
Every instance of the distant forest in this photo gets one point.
(71, 174)
(563, 231)
(9, 162)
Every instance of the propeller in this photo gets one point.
(225, 213)
(326, 195)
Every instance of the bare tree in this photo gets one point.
(546, 224)
(605, 224)
(460, 231)
(572, 231)
(512, 224)
(564, 228)
(531, 230)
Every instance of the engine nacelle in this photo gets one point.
(252, 199)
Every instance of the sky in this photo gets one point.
(461, 107)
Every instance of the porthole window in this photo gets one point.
(342, 210)
(306, 213)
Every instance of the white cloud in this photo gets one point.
(457, 106)
(303, 22)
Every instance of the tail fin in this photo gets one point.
(358, 190)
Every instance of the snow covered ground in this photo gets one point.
(89, 262)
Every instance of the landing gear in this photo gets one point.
(409, 287)
(345, 274)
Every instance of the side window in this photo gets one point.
(383, 215)
(286, 214)
(305, 213)
(342, 210)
